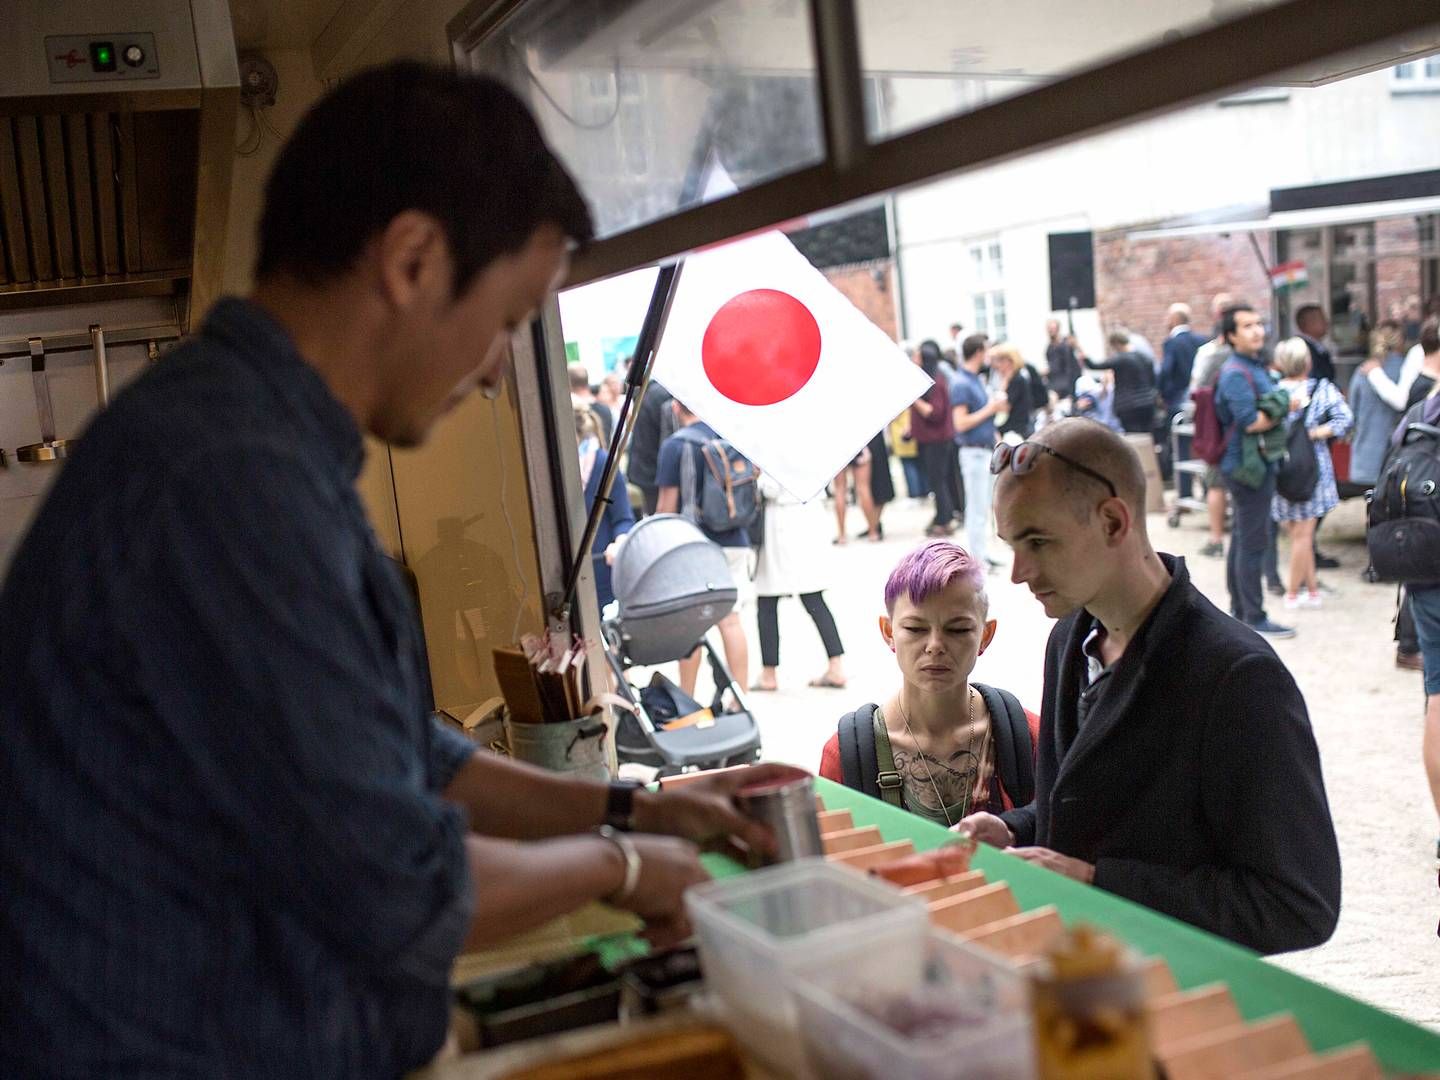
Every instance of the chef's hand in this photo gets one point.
(1053, 860)
(610, 553)
(704, 810)
(668, 866)
(986, 828)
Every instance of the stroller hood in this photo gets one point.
(672, 583)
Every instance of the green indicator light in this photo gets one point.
(103, 55)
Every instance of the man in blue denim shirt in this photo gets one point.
(235, 843)
(1243, 381)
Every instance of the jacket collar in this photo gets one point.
(1125, 680)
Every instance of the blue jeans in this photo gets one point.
(979, 487)
(1249, 543)
(915, 484)
(1425, 604)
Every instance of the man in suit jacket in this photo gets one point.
(1312, 324)
(1181, 345)
(1176, 765)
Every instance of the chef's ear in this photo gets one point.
(415, 264)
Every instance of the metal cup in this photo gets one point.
(787, 806)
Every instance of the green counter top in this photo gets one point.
(1260, 989)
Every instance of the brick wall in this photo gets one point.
(1396, 276)
(1136, 282)
(875, 298)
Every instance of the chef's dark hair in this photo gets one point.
(412, 136)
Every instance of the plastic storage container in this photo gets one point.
(967, 1016)
(803, 917)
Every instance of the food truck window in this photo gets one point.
(629, 93)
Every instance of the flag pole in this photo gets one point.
(637, 381)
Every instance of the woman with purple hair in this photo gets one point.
(941, 747)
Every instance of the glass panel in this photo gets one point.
(1432, 67)
(1354, 241)
(633, 95)
(935, 58)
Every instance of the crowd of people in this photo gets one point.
(1280, 411)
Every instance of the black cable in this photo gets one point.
(614, 112)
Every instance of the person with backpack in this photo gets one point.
(1403, 538)
(942, 747)
(1248, 411)
(703, 477)
(1024, 388)
(1318, 413)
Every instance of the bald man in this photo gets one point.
(1176, 765)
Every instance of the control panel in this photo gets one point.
(101, 57)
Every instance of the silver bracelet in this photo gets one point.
(631, 855)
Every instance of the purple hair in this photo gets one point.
(929, 569)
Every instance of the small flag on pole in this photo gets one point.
(1290, 275)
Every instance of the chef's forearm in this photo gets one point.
(507, 798)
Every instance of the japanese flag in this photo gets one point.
(763, 348)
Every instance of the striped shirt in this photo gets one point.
(224, 853)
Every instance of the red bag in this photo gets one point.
(1210, 438)
(1209, 441)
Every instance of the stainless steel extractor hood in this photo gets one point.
(117, 122)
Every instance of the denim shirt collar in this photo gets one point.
(255, 336)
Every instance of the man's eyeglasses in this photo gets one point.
(1024, 457)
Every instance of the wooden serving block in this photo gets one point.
(973, 909)
(943, 888)
(1177, 1017)
(834, 821)
(878, 855)
(1235, 1051)
(1353, 1063)
(1022, 936)
(1159, 979)
(837, 843)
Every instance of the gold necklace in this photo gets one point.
(969, 749)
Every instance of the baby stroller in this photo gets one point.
(672, 584)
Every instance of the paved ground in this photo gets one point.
(1367, 717)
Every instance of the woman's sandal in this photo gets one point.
(827, 682)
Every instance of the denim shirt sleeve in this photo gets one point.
(287, 713)
(449, 749)
(1237, 402)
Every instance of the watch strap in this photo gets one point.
(620, 805)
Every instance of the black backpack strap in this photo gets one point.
(1014, 753)
(857, 751)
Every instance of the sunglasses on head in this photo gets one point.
(1024, 457)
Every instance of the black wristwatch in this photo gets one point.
(620, 807)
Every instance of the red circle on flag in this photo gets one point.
(761, 347)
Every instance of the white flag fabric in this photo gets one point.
(779, 362)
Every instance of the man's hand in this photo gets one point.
(668, 866)
(1053, 860)
(986, 828)
(704, 810)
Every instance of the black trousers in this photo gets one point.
(1249, 544)
(819, 613)
(941, 462)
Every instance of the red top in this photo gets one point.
(939, 426)
(830, 760)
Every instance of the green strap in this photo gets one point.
(889, 780)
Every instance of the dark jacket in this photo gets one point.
(1322, 364)
(1176, 366)
(1194, 787)
(619, 519)
(654, 423)
(1064, 368)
